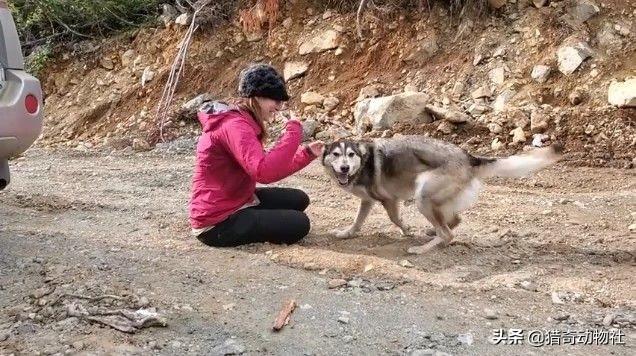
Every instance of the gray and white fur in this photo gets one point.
(442, 178)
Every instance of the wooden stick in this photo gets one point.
(284, 314)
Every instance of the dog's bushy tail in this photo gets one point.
(518, 165)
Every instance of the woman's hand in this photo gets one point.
(316, 147)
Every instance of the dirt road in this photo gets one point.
(552, 252)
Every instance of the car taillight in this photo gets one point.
(31, 104)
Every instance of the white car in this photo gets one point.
(20, 97)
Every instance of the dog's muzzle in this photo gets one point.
(343, 175)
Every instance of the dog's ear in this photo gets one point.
(364, 148)
(327, 147)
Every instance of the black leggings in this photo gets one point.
(279, 218)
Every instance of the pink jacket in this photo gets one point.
(231, 160)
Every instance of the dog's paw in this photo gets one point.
(345, 233)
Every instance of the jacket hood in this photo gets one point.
(211, 113)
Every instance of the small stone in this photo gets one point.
(501, 102)
(540, 3)
(556, 298)
(561, 317)
(287, 23)
(576, 97)
(183, 19)
(406, 264)
(478, 109)
(518, 136)
(4, 335)
(538, 122)
(336, 283)
(608, 320)
(539, 139)
(229, 347)
(338, 51)
(494, 128)
(322, 42)
(466, 339)
(496, 145)
(331, 103)
(490, 314)
(497, 75)
(446, 127)
(176, 344)
(312, 98)
(478, 59)
(140, 144)
(347, 338)
(458, 89)
(343, 320)
(293, 70)
(529, 286)
(107, 63)
(499, 52)
(540, 73)
(147, 76)
(426, 352)
(411, 88)
(481, 93)
(78, 345)
(632, 227)
(127, 58)
(309, 128)
(370, 91)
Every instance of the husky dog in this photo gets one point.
(443, 179)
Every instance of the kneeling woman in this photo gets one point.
(226, 208)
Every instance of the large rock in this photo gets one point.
(312, 98)
(584, 10)
(322, 42)
(382, 113)
(294, 70)
(570, 56)
(622, 94)
(189, 109)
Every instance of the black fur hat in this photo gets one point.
(262, 80)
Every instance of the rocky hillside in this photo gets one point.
(523, 73)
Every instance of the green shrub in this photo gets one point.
(42, 21)
(36, 61)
